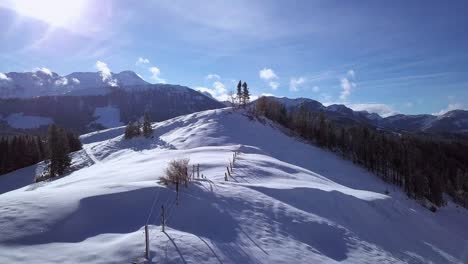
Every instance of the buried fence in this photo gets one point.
(167, 208)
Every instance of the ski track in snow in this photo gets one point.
(286, 202)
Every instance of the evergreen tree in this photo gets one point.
(132, 130)
(147, 129)
(58, 150)
(239, 92)
(245, 94)
(74, 142)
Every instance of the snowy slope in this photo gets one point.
(19, 120)
(107, 116)
(287, 202)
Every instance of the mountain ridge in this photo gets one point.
(455, 121)
(43, 82)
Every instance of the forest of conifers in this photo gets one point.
(24, 150)
(424, 166)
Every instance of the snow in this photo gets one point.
(107, 116)
(287, 202)
(45, 82)
(19, 120)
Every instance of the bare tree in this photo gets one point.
(177, 172)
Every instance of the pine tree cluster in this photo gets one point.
(135, 129)
(243, 94)
(59, 148)
(20, 151)
(24, 150)
(423, 166)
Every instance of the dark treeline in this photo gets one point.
(24, 150)
(20, 151)
(423, 166)
(76, 113)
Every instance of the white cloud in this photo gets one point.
(267, 74)
(294, 83)
(205, 90)
(104, 70)
(315, 89)
(219, 87)
(62, 81)
(75, 81)
(106, 73)
(43, 70)
(141, 61)
(213, 76)
(381, 109)
(155, 74)
(155, 71)
(253, 97)
(274, 85)
(219, 91)
(450, 107)
(351, 73)
(270, 76)
(346, 86)
(3, 77)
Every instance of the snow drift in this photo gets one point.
(286, 202)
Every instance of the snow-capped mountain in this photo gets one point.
(455, 121)
(43, 82)
(285, 202)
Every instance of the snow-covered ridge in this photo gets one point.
(287, 202)
(43, 82)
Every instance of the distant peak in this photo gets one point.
(128, 72)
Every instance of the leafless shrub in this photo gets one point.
(177, 172)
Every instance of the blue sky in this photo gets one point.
(384, 56)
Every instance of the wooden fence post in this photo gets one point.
(198, 170)
(177, 195)
(146, 242)
(163, 218)
(227, 168)
(225, 176)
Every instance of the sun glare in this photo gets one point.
(59, 13)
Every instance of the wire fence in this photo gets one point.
(170, 204)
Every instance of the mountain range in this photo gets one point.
(90, 101)
(455, 121)
(43, 82)
(100, 88)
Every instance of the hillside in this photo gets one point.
(86, 113)
(287, 202)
